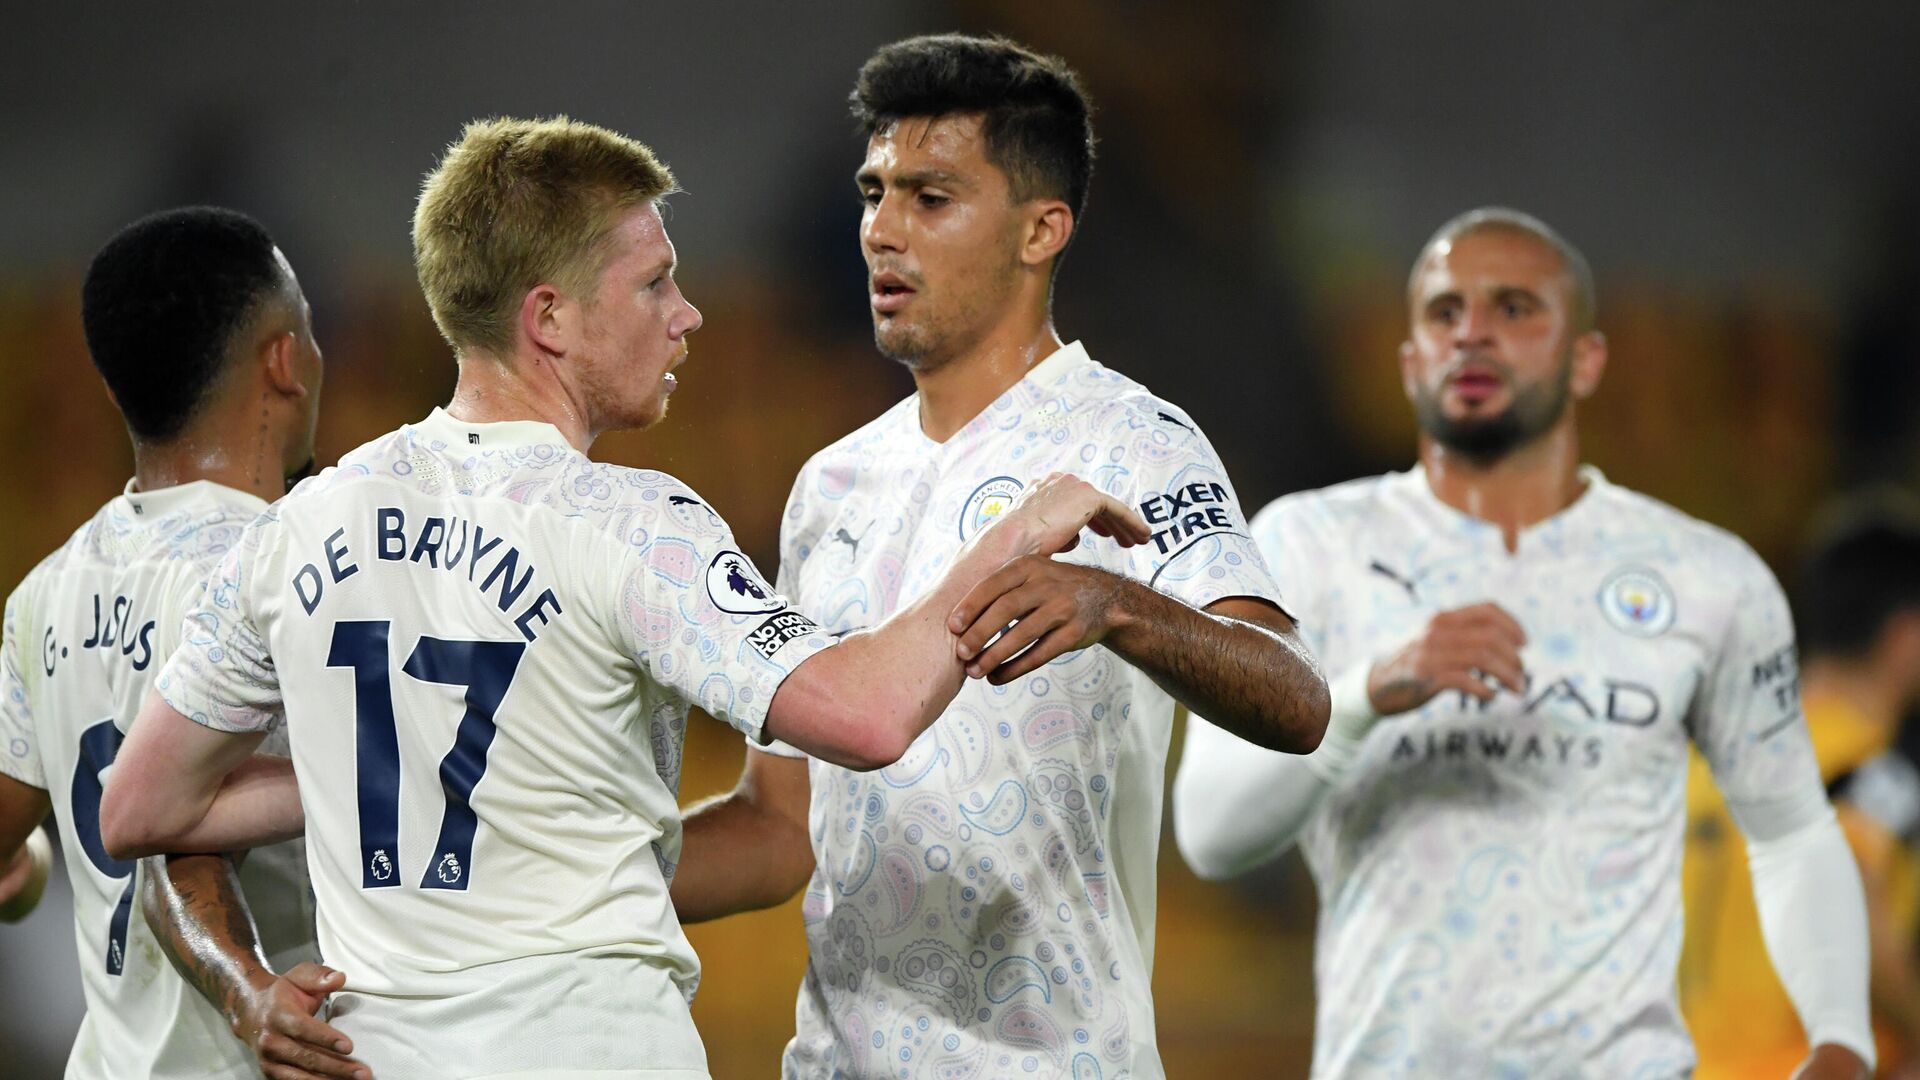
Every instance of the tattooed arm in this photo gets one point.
(1239, 661)
(196, 910)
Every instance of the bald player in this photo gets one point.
(1520, 652)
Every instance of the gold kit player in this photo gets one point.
(985, 906)
(1521, 653)
(485, 644)
(197, 324)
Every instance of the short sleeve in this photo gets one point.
(19, 742)
(795, 539)
(1201, 550)
(1747, 719)
(702, 621)
(1286, 535)
(221, 675)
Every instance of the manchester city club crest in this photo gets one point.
(735, 586)
(1638, 601)
(987, 502)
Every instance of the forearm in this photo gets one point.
(862, 702)
(736, 856)
(1256, 682)
(198, 913)
(1237, 806)
(1813, 918)
(256, 804)
(23, 876)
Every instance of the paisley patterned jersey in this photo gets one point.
(1500, 882)
(485, 645)
(985, 907)
(86, 634)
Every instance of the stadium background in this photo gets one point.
(1746, 181)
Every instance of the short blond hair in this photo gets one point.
(518, 203)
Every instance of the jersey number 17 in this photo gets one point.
(486, 669)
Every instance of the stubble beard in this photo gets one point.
(1535, 409)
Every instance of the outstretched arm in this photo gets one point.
(1239, 662)
(747, 849)
(862, 702)
(178, 786)
(198, 913)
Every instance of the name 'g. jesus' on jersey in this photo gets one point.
(486, 645)
(86, 634)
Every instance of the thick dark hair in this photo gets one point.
(1863, 568)
(161, 303)
(1038, 121)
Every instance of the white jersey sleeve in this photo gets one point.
(699, 618)
(19, 747)
(1201, 550)
(221, 675)
(1747, 719)
(798, 532)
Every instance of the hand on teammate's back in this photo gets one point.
(277, 1021)
(1459, 650)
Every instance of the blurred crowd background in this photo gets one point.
(1745, 179)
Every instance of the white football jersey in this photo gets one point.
(1500, 882)
(985, 907)
(86, 634)
(486, 644)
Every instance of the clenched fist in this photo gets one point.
(1458, 650)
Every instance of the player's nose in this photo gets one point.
(880, 226)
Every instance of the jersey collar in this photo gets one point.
(1551, 530)
(441, 430)
(167, 500)
(1032, 389)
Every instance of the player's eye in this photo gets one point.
(933, 200)
(870, 196)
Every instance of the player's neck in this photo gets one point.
(229, 453)
(1515, 491)
(1857, 684)
(955, 392)
(491, 391)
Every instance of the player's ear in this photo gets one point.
(1589, 363)
(1049, 227)
(1409, 369)
(279, 360)
(548, 318)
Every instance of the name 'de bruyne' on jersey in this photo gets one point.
(441, 544)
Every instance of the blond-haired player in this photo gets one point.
(485, 645)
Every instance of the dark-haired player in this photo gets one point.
(484, 645)
(1522, 652)
(985, 907)
(199, 328)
